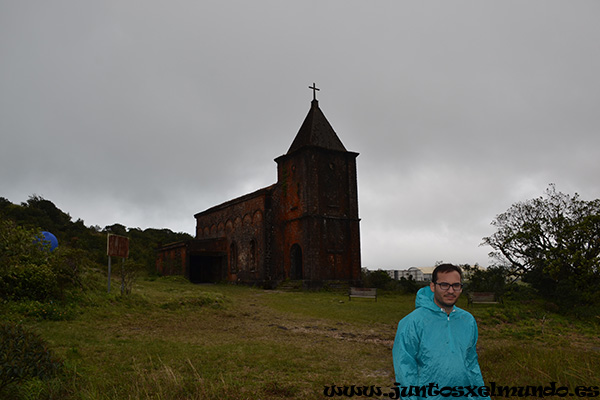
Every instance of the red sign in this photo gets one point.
(117, 246)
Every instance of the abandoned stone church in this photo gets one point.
(304, 227)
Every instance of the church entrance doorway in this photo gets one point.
(296, 262)
(206, 268)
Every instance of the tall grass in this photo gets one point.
(171, 339)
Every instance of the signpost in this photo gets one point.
(117, 246)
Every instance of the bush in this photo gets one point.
(52, 311)
(73, 268)
(29, 271)
(24, 355)
(409, 285)
(376, 279)
(492, 279)
(382, 280)
(130, 271)
(19, 246)
(28, 282)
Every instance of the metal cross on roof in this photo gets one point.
(314, 89)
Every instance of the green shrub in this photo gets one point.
(19, 245)
(24, 355)
(492, 279)
(380, 279)
(29, 271)
(409, 285)
(28, 282)
(52, 311)
(376, 279)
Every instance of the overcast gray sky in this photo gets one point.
(147, 112)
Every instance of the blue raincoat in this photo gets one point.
(434, 348)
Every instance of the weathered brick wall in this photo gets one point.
(241, 223)
(172, 260)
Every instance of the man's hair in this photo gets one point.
(445, 268)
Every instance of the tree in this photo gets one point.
(552, 242)
(376, 279)
(491, 279)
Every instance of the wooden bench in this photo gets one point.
(482, 298)
(366, 293)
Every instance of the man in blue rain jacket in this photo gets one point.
(434, 350)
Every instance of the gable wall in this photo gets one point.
(241, 224)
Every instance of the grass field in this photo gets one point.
(171, 339)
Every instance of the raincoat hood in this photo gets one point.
(425, 299)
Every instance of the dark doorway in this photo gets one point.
(296, 262)
(206, 269)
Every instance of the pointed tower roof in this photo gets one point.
(316, 131)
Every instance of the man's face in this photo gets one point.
(446, 298)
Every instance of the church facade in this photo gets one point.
(304, 227)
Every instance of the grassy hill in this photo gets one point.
(171, 339)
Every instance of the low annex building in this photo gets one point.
(303, 227)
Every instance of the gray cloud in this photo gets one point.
(146, 113)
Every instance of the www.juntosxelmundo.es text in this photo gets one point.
(432, 389)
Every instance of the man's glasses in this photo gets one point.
(445, 286)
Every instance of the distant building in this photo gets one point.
(304, 227)
(421, 274)
(427, 273)
(413, 273)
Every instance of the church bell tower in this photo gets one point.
(317, 202)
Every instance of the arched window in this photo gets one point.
(296, 262)
(233, 258)
(253, 256)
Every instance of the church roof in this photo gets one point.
(257, 193)
(316, 132)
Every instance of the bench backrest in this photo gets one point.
(363, 291)
(482, 296)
